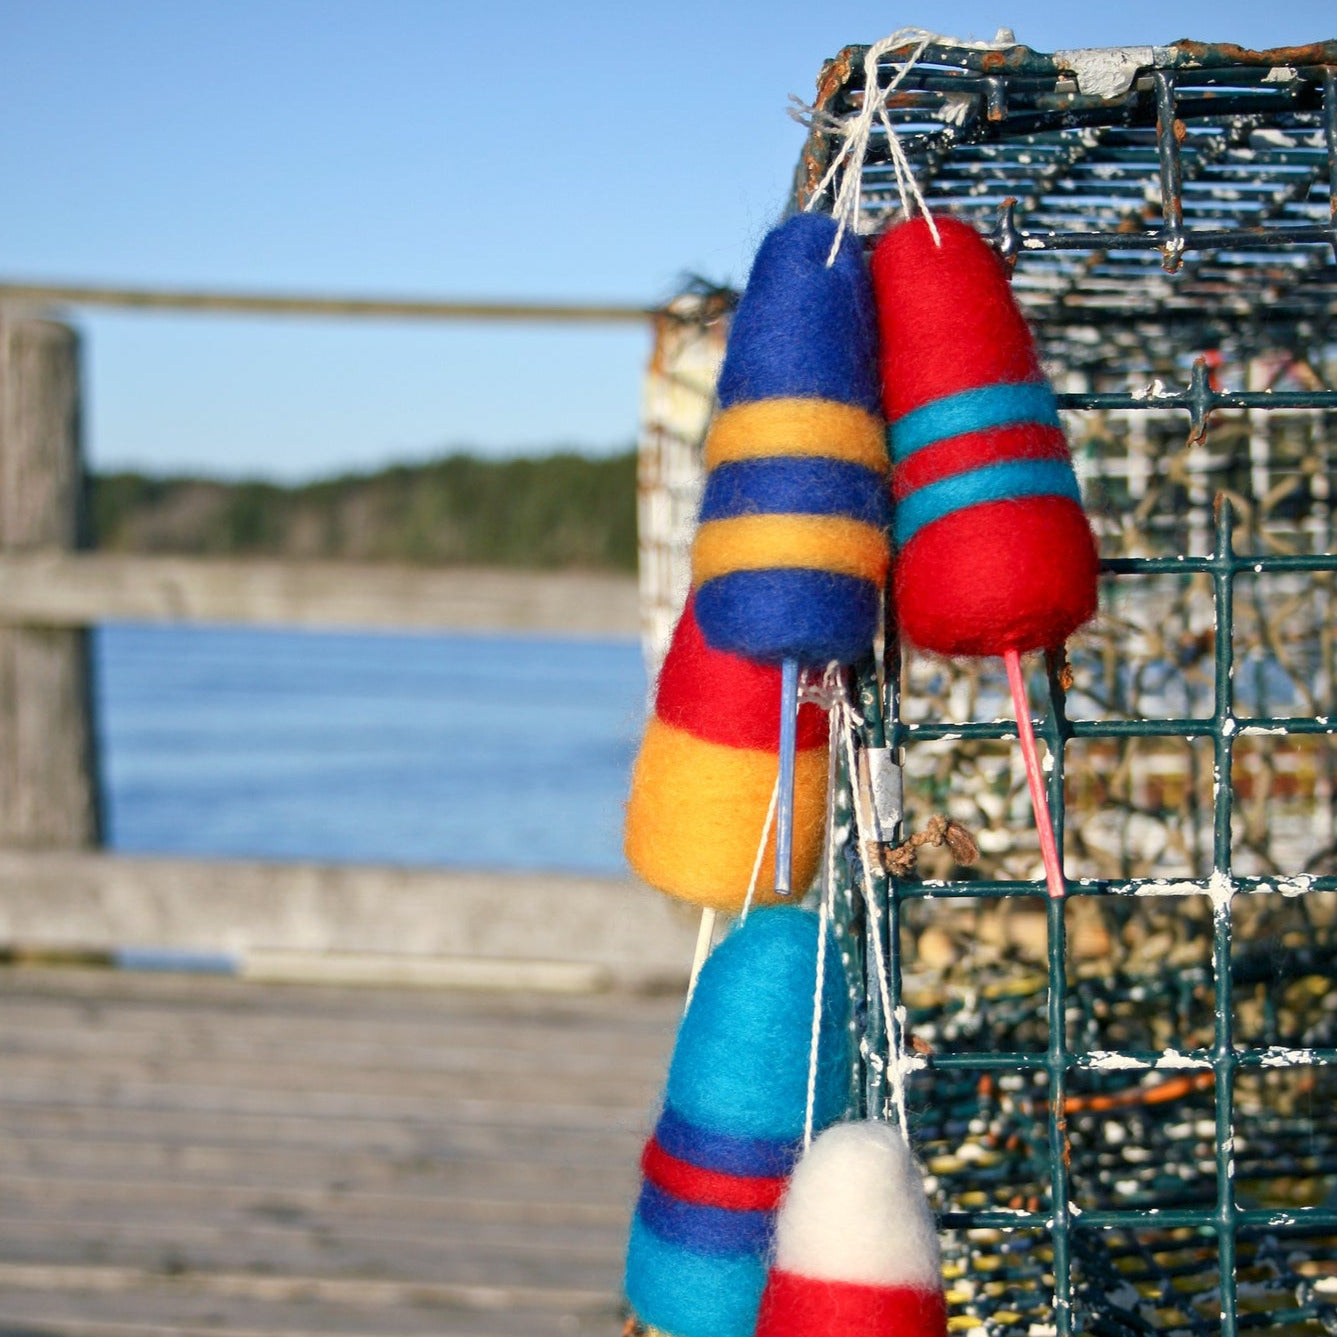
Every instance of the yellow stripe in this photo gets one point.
(697, 810)
(797, 427)
(815, 542)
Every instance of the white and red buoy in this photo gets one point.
(856, 1246)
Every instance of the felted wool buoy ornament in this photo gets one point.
(994, 552)
(856, 1246)
(791, 554)
(995, 555)
(732, 1124)
(702, 784)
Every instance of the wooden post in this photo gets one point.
(48, 779)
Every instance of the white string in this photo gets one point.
(706, 933)
(705, 937)
(855, 132)
(823, 918)
(895, 1048)
(761, 851)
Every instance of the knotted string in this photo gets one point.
(855, 131)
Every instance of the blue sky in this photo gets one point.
(509, 150)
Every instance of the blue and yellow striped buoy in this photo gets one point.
(791, 554)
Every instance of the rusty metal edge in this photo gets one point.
(1186, 53)
(815, 156)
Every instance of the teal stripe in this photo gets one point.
(1009, 481)
(972, 411)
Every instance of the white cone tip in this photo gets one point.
(855, 1211)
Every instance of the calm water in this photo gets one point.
(466, 751)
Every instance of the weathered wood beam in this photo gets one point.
(320, 304)
(48, 790)
(605, 930)
(55, 589)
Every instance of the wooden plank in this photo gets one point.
(138, 1000)
(496, 1110)
(71, 986)
(459, 1050)
(66, 1192)
(351, 1290)
(161, 1014)
(154, 1225)
(188, 1315)
(324, 1058)
(601, 1182)
(241, 1303)
(85, 900)
(183, 1154)
(465, 1158)
(214, 1243)
(561, 1091)
(161, 1312)
(55, 589)
(422, 1148)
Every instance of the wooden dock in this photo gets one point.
(191, 1154)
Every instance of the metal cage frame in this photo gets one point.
(1116, 280)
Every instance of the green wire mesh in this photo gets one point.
(1127, 1102)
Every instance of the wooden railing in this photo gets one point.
(56, 589)
(58, 890)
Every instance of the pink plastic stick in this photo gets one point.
(1034, 777)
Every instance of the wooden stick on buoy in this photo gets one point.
(784, 807)
(791, 553)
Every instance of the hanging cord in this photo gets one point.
(823, 920)
(705, 939)
(855, 132)
(761, 851)
(705, 935)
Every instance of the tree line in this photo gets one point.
(550, 511)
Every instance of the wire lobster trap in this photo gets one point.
(1127, 1101)
(676, 403)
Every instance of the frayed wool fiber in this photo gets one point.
(791, 553)
(856, 1246)
(703, 779)
(994, 551)
(732, 1124)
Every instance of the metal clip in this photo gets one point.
(881, 794)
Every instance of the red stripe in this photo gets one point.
(708, 1188)
(724, 698)
(795, 1306)
(958, 454)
